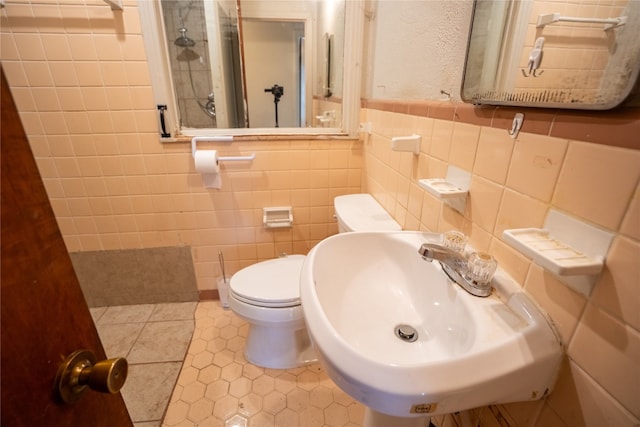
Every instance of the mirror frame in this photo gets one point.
(620, 99)
(155, 43)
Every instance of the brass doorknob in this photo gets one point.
(80, 371)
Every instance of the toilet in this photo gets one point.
(361, 212)
(267, 294)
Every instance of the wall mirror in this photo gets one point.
(563, 54)
(251, 66)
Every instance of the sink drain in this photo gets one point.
(406, 333)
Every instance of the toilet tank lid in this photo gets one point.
(273, 281)
(361, 212)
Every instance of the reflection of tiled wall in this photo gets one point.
(514, 183)
(575, 54)
(81, 82)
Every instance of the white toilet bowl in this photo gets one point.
(267, 295)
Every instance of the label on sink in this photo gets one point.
(423, 408)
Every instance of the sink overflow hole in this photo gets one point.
(406, 333)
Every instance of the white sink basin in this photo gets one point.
(469, 352)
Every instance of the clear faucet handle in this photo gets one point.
(454, 240)
(481, 266)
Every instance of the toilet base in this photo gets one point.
(278, 348)
(378, 419)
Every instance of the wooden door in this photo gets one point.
(44, 316)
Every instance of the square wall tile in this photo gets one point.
(535, 165)
(494, 154)
(610, 352)
(64, 74)
(519, 211)
(30, 47)
(441, 139)
(564, 305)
(82, 47)
(56, 47)
(618, 289)
(511, 260)
(431, 208)
(24, 100)
(597, 182)
(38, 73)
(416, 195)
(578, 399)
(16, 74)
(9, 49)
(464, 144)
(631, 223)
(483, 202)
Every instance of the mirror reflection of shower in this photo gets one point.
(184, 40)
(188, 55)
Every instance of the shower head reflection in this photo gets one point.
(184, 40)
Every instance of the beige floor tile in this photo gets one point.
(118, 339)
(162, 342)
(237, 393)
(213, 384)
(148, 389)
(149, 386)
(127, 314)
(147, 424)
(97, 312)
(173, 311)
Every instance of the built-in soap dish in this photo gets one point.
(441, 188)
(406, 143)
(277, 217)
(571, 249)
(453, 189)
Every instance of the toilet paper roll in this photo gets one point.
(208, 165)
(207, 161)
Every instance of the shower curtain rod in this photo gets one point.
(115, 4)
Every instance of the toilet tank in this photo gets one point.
(361, 212)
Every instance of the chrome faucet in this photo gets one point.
(457, 267)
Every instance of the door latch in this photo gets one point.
(79, 372)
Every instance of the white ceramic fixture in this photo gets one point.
(571, 249)
(453, 189)
(396, 334)
(361, 212)
(267, 295)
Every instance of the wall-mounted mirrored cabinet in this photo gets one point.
(559, 54)
(252, 66)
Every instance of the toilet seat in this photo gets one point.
(274, 283)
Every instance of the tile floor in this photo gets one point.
(197, 373)
(218, 387)
(154, 339)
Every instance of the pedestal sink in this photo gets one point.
(396, 334)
